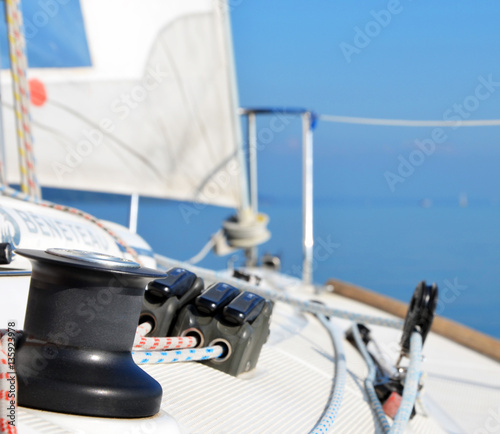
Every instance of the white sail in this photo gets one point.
(152, 111)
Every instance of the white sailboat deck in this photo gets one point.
(291, 386)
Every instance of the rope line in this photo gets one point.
(205, 250)
(331, 412)
(143, 329)
(141, 342)
(20, 88)
(186, 355)
(410, 390)
(370, 378)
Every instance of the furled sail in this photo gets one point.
(131, 96)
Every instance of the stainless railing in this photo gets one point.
(308, 123)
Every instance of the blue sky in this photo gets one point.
(428, 56)
(387, 59)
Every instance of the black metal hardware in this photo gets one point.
(420, 314)
(74, 355)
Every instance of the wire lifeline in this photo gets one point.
(186, 355)
(326, 422)
(410, 390)
(408, 122)
(19, 65)
(6, 375)
(370, 390)
(10, 192)
(281, 295)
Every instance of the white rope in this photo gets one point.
(169, 343)
(370, 390)
(143, 329)
(410, 390)
(407, 122)
(326, 422)
(187, 355)
(205, 249)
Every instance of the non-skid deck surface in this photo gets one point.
(287, 394)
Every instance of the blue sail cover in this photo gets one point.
(55, 35)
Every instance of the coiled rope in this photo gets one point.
(18, 65)
(246, 230)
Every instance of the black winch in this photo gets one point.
(74, 355)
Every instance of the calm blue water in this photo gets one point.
(385, 245)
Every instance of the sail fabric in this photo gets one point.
(145, 104)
